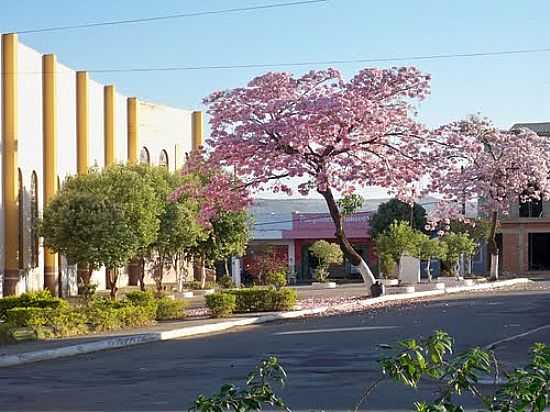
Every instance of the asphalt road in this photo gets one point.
(329, 360)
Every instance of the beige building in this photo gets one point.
(57, 122)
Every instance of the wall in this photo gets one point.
(159, 128)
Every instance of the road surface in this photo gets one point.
(329, 360)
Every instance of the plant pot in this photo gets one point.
(409, 289)
(468, 282)
(324, 285)
(185, 294)
(390, 282)
(439, 286)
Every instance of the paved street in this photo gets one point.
(329, 360)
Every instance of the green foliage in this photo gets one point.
(457, 244)
(395, 210)
(221, 305)
(527, 388)
(327, 254)
(477, 229)
(42, 299)
(226, 282)
(350, 204)
(397, 240)
(196, 285)
(257, 394)
(431, 248)
(227, 237)
(277, 279)
(388, 266)
(263, 299)
(102, 219)
(170, 309)
(48, 322)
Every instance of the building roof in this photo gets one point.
(542, 129)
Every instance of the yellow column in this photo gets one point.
(109, 124)
(9, 162)
(82, 127)
(198, 130)
(132, 130)
(49, 150)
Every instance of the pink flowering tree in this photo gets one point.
(222, 202)
(495, 167)
(334, 135)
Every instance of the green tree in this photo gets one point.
(178, 228)
(428, 249)
(327, 254)
(395, 210)
(457, 245)
(397, 240)
(228, 236)
(101, 219)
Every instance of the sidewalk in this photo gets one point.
(35, 351)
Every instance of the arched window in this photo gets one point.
(144, 157)
(35, 240)
(21, 219)
(163, 159)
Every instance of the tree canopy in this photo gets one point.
(394, 210)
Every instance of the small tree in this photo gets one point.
(179, 227)
(394, 210)
(457, 245)
(102, 219)
(398, 240)
(429, 249)
(327, 254)
(222, 200)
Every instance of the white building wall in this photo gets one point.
(164, 128)
(30, 153)
(159, 128)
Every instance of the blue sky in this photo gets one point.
(507, 89)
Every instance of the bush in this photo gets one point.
(263, 299)
(170, 309)
(48, 322)
(42, 299)
(226, 282)
(221, 304)
(140, 298)
(387, 266)
(276, 279)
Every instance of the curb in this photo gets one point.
(126, 341)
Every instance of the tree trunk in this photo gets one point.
(84, 276)
(428, 269)
(112, 277)
(492, 248)
(226, 266)
(141, 278)
(159, 273)
(345, 245)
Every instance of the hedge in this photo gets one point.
(263, 299)
(221, 305)
(42, 299)
(47, 317)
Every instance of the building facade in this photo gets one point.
(57, 122)
(524, 234)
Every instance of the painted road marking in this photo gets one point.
(519, 335)
(334, 330)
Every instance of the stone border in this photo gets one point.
(126, 341)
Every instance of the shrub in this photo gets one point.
(387, 266)
(196, 285)
(263, 299)
(48, 322)
(284, 299)
(42, 299)
(221, 304)
(170, 309)
(140, 298)
(277, 279)
(226, 282)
